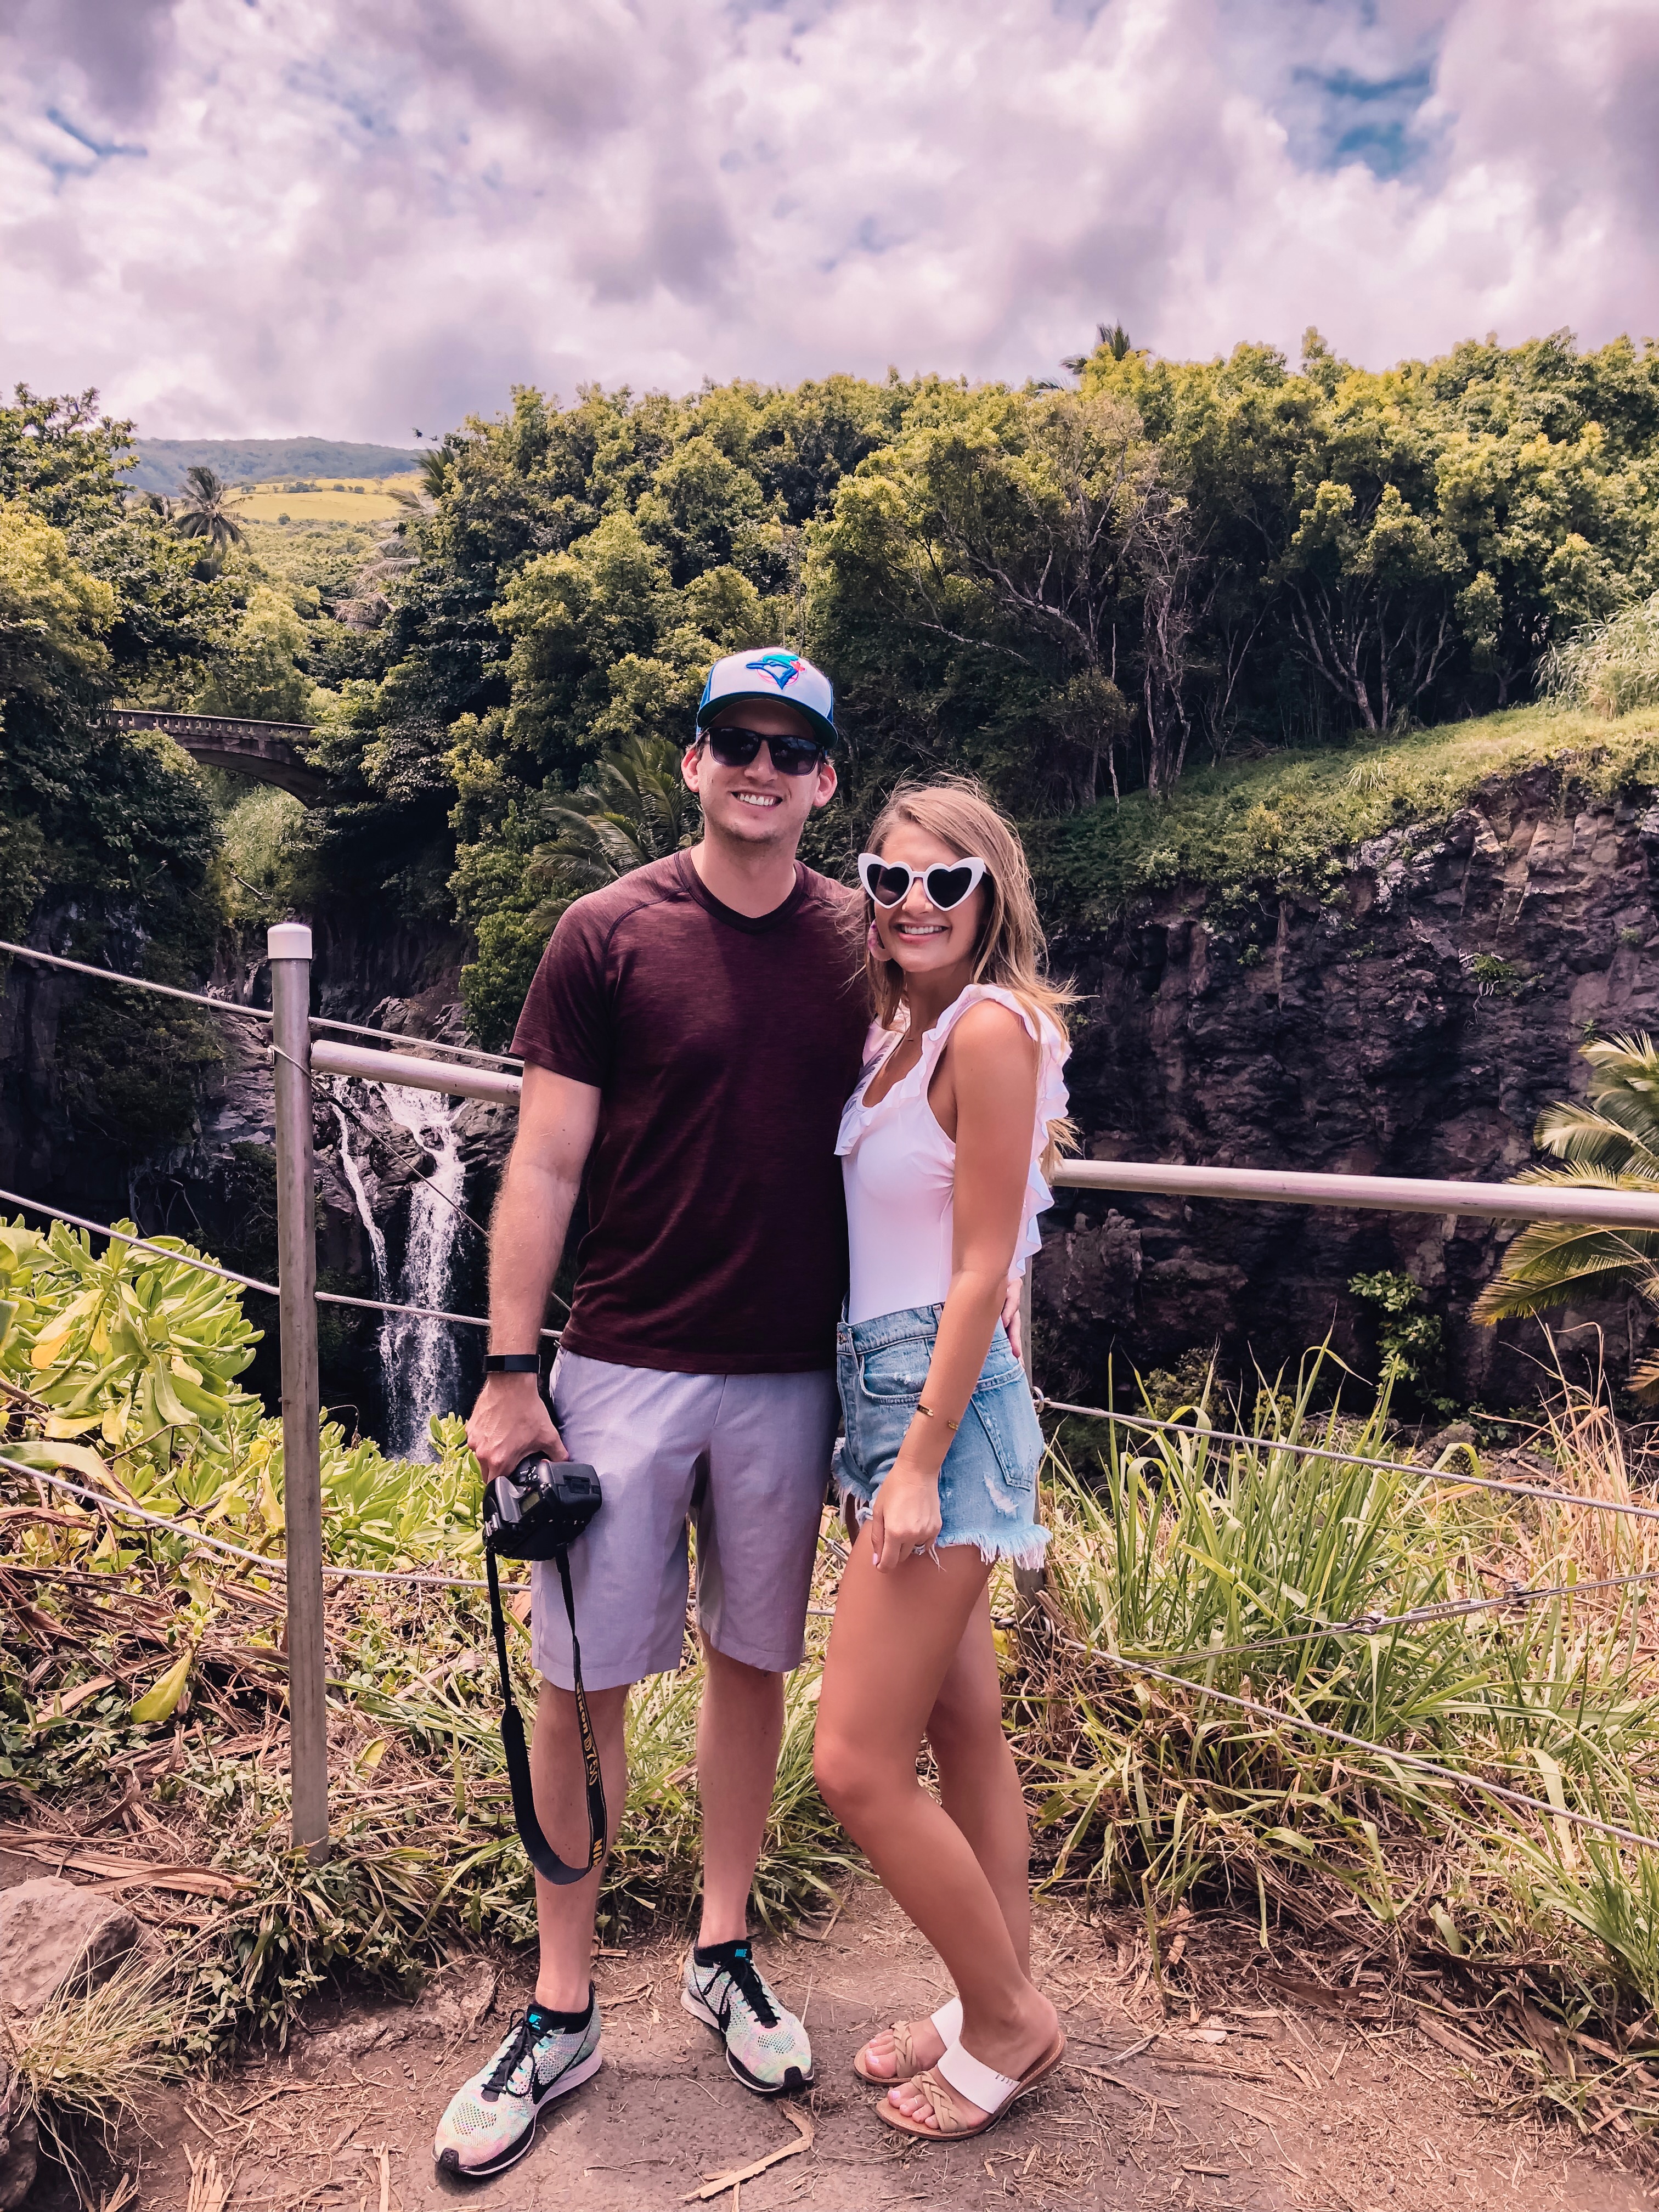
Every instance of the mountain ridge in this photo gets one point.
(162, 461)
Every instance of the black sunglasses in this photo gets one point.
(734, 748)
(947, 882)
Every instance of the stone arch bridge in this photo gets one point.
(267, 752)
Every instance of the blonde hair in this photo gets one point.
(1010, 950)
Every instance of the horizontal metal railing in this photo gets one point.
(411, 1073)
(1491, 1202)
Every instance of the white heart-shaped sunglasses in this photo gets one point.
(947, 884)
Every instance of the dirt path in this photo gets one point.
(1261, 2104)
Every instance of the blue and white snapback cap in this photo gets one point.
(772, 673)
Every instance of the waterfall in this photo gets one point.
(418, 1357)
(419, 1369)
(354, 1175)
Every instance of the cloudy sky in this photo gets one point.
(265, 217)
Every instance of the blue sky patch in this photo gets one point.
(102, 148)
(1346, 117)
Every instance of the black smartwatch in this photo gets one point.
(512, 1363)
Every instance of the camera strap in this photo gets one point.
(542, 1855)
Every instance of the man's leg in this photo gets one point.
(644, 1431)
(757, 1532)
(740, 1729)
(553, 2046)
(564, 1911)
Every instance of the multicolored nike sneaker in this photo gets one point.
(491, 2120)
(766, 2046)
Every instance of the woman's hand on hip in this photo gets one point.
(904, 1517)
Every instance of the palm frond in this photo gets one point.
(1550, 1261)
(634, 808)
(1617, 1131)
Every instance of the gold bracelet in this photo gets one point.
(933, 1416)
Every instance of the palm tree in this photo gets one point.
(1112, 336)
(207, 509)
(432, 467)
(1611, 1142)
(634, 808)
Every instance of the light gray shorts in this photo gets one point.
(746, 1458)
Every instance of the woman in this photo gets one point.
(942, 1144)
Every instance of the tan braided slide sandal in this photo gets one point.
(974, 2082)
(947, 2019)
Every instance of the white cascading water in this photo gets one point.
(418, 1365)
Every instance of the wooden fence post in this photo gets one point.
(288, 945)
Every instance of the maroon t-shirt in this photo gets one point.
(724, 1048)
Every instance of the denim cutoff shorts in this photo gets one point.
(988, 1485)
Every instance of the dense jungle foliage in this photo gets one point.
(1080, 594)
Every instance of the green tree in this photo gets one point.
(1009, 556)
(259, 674)
(100, 830)
(55, 620)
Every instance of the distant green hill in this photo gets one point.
(162, 461)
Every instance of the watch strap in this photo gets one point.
(512, 1362)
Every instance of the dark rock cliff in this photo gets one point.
(1413, 1024)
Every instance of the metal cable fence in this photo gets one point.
(1120, 1661)
(1271, 1445)
(230, 1274)
(293, 1061)
(466, 1052)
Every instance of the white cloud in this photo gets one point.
(323, 215)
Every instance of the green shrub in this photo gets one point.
(1409, 1340)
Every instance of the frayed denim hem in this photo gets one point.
(1023, 1548)
(1023, 1545)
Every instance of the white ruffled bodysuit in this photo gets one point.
(899, 1168)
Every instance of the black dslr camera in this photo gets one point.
(543, 1504)
(537, 1512)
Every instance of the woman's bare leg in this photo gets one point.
(979, 1786)
(895, 1637)
(978, 1783)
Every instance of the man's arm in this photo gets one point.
(556, 1122)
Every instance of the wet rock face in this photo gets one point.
(1414, 1025)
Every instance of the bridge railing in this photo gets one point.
(297, 1054)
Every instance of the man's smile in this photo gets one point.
(757, 798)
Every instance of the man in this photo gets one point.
(690, 1039)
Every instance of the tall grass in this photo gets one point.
(1609, 667)
(1227, 1565)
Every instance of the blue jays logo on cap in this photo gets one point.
(782, 667)
(774, 673)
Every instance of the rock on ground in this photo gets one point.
(54, 1933)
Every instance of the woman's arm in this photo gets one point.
(991, 1065)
